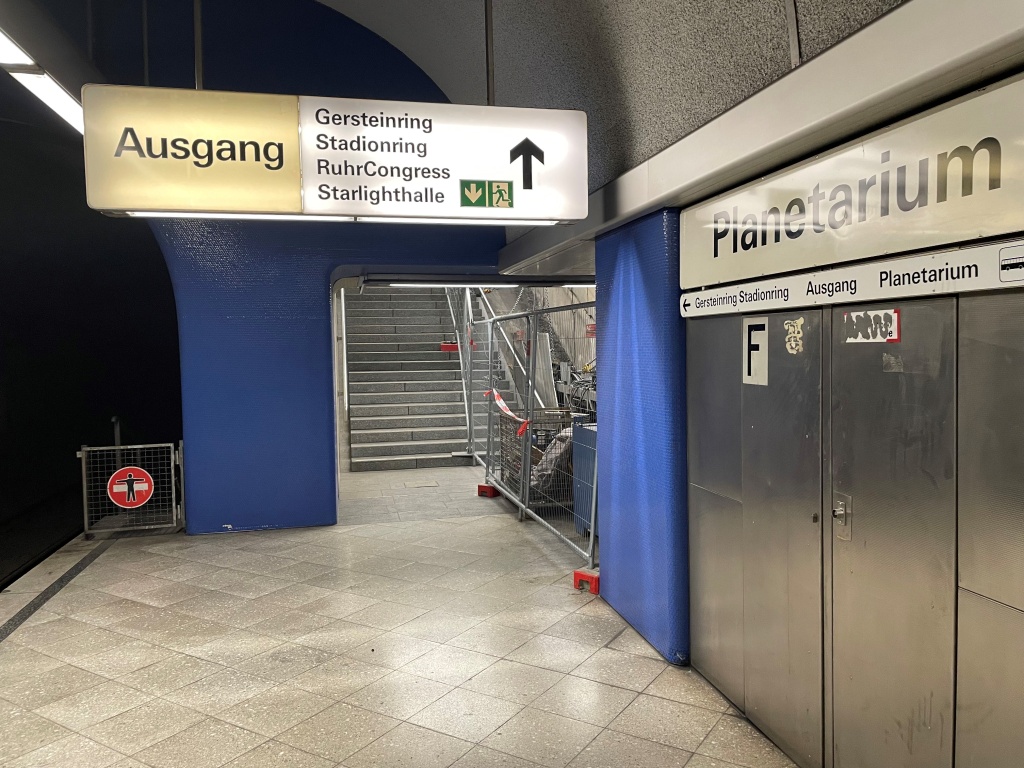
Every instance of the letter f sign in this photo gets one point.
(755, 351)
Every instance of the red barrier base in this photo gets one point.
(486, 490)
(449, 346)
(586, 578)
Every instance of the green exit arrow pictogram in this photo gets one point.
(474, 193)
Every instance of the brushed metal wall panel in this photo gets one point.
(782, 603)
(713, 368)
(716, 590)
(990, 678)
(991, 446)
(894, 581)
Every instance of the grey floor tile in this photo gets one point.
(39, 690)
(143, 726)
(492, 639)
(70, 752)
(466, 715)
(450, 665)
(590, 629)
(22, 731)
(689, 687)
(508, 680)
(463, 580)
(284, 662)
(236, 647)
(737, 741)
(482, 757)
(292, 596)
(274, 754)
(620, 669)
(666, 722)
(38, 635)
(338, 732)
(339, 637)
(701, 761)
(216, 693)
(531, 618)
(553, 653)
(88, 643)
(276, 710)
(339, 677)
(93, 705)
(409, 746)
(18, 663)
(585, 700)
(619, 750)
(391, 650)
(425, 596)
(630, 641)
(399, 695)
(385, 615)
(477, 605)
(113, 612)
(557, 597)
(124, 659)
(291, 625)
(542, 738)
(438, 626)
(339, 605)
(169, 594)
(209, 744)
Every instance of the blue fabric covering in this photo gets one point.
(642, 440)
(253, 299)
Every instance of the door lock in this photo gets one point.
(842, 516)
(839, 513)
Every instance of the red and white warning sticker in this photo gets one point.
(130, 487)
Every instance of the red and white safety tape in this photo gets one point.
(500, 402)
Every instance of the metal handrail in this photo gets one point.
(460, 343)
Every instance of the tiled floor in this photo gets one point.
(446, 634)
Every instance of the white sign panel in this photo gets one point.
(161, 151)
(755, 351)
(389, 158)
(952, 175)
(980, 268)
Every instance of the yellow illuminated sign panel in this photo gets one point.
(157, 149)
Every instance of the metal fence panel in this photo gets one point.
(104, 473)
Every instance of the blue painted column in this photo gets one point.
(257, 379)
(641, 453)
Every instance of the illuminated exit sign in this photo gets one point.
(156, 151)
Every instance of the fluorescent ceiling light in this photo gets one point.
(245, 216)
(580, 285)
(492, 222)
(54, 96)
(11, 53)
(451, 285)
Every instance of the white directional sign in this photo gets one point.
(387, 158)
(160, 151)
(980, 268)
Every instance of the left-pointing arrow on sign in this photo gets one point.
(686, 304)
(527, 150)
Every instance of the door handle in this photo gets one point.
(842, 516)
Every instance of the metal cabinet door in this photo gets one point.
(894, 543)
(782, 605)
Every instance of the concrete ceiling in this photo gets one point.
(444, 39)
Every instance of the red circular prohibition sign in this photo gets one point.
(130, 487)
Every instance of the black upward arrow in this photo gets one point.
(527, 150)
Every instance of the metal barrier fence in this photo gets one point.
(530, 385)
(132, 488)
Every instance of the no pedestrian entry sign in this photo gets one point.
(130, 487)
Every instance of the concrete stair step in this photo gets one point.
(414, 461)
(423, 365)
(405, 399)
(406, 447)
(352, 315)
(419, 434)
(408, 409)
(402, 356)
(435, 338)
(433, 375)
(390, 327)
(386, 290)
(362, 347)
(400, 385)
(408, 422)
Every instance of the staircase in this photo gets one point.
(406, 408)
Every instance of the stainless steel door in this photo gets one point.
(782, 606)
(894, 543)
